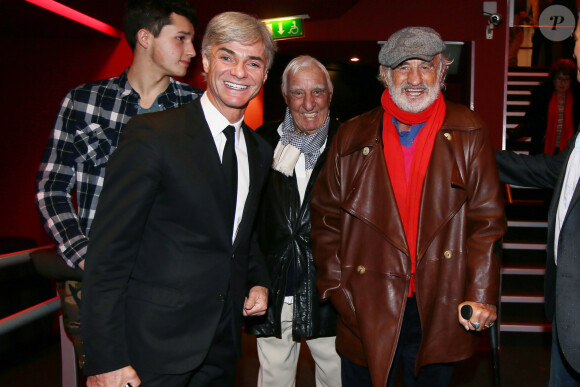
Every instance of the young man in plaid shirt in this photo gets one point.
(89, 123)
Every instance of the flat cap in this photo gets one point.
(411, 42)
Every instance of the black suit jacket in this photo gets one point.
(562, 282)
(160, 259)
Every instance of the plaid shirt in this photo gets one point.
(86, 132)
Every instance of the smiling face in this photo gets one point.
(308, 98)
(415, 84)
(235, 75)
(171, 52)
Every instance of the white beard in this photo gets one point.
(413, 105)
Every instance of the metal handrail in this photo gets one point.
(10, 323)
(35, 312)
(25, 316)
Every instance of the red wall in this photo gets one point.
(455, 20)
(36, 75)
(38, 72)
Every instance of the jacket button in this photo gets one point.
(361, 269)
(447, 254)
(366, 150)
(448, 136)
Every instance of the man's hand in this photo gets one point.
(117, 378)
(82, 264)
(257, 301)
(483, 316)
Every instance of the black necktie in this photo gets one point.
(230, 164)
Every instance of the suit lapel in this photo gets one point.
(205, 155)
(253, 194)
(372, 182)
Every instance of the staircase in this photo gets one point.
(524, 246)
(521, 82)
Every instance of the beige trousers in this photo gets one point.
(279, 357)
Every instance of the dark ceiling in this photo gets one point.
(21, 18)
(25, 20)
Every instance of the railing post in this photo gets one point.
(68, 359)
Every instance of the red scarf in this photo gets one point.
(552, 124)
(408, 194)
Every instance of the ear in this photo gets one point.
(265, 77)
(143, 38)
(205, 61)
(383, 71)
(383, 75)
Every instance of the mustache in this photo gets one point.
(420, 87)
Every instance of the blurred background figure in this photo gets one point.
(554, 112)
(516, 37)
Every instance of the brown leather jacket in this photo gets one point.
(361, 254)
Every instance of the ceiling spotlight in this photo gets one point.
(354, 59)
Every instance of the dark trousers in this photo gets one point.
(561, 372)
(218, 368)
(433, 375)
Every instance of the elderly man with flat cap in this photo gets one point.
(405, 217)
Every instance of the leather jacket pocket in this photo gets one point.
(342, 301)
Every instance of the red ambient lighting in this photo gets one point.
(72, 14)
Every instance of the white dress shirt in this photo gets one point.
(217, 123)
(302, 175)
(568, 188)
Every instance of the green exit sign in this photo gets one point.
(285, 28)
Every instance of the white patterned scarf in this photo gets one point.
(294, 142)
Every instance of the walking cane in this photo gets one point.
(466, 312)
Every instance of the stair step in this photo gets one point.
(515, 270)
(525, 235)
(527, 223)
(523, 246)
(524, 97)
(531, 84)
(526, 299)
(539, 74)
(519, 327)
(519, 92)
(523, 259)
(518, 103)
(527, 312)
(526, 287)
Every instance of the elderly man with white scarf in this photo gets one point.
(301, 142)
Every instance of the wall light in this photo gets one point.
(354, 59)
(77, 16)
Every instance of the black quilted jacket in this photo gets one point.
(284, 236)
